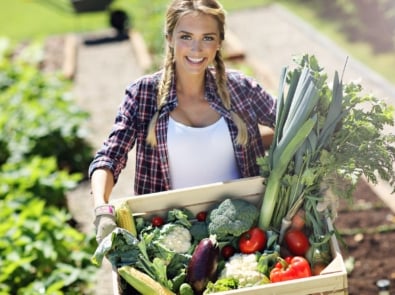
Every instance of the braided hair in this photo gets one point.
(176, 10)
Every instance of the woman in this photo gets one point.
(194, 122)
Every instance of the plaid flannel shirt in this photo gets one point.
(248, 99)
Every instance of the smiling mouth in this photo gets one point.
(195, 60)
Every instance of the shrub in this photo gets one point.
(42, 155)
(38, 115)
(40, 252)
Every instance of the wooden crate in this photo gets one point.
(333, 279)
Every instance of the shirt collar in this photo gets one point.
(210, 90)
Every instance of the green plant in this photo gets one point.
(41, 253)
(38, 177)
(38, 115)
(42, 147)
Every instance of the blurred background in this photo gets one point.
(46, 232)
(365, 28)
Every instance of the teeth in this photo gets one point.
(195, 60)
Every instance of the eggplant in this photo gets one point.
(203, 264)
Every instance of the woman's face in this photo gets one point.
(195, 41)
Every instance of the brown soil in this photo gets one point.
(371, 248)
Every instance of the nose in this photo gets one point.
(196, 45)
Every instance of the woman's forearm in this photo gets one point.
(102, 182)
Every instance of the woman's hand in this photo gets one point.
(105, 221)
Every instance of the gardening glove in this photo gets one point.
(104, 221)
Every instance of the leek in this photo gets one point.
(290, 133)
(321, 136)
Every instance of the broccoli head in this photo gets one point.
(231, 218)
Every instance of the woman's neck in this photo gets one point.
(190, 86)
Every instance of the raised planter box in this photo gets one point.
(333, 279)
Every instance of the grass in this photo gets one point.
(27, 19)
(36, 19)
(23, 19)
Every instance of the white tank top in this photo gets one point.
(200, 156)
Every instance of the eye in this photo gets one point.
(208, 38)
(185, 37)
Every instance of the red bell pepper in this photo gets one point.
(290, 268)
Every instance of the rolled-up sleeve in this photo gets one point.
(113, 154)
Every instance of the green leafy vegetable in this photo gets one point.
(180, 216)
(120, 247)
(199, 230)
(312, 167)
(224, 284)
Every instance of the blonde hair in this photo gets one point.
(176, 10)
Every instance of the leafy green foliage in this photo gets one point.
(40, 250)
(42, 155)
(38, 177)
(38, 114)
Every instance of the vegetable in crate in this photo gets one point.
(227, 251)
(199, 230)
(220, 285)
(147, 255)
(203, 265)
(181, 216)
(297, 242)
(231, 218)
(125, 218)
(252, 240)
(157, 221)
(340, 137)
(186, 289)
(243, 268)
(142, 282)
(120, 247)
(175, 237)
(290, 268)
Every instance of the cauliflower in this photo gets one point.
(175, 237)
(243, 268)
(232, 217)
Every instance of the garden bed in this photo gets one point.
(368, 228)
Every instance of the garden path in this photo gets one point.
(103, 71)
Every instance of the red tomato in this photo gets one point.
(201, 216)
(157, 221)
(252, 240)
(227, 251)
(296, 242)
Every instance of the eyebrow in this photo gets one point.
(189, 33)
